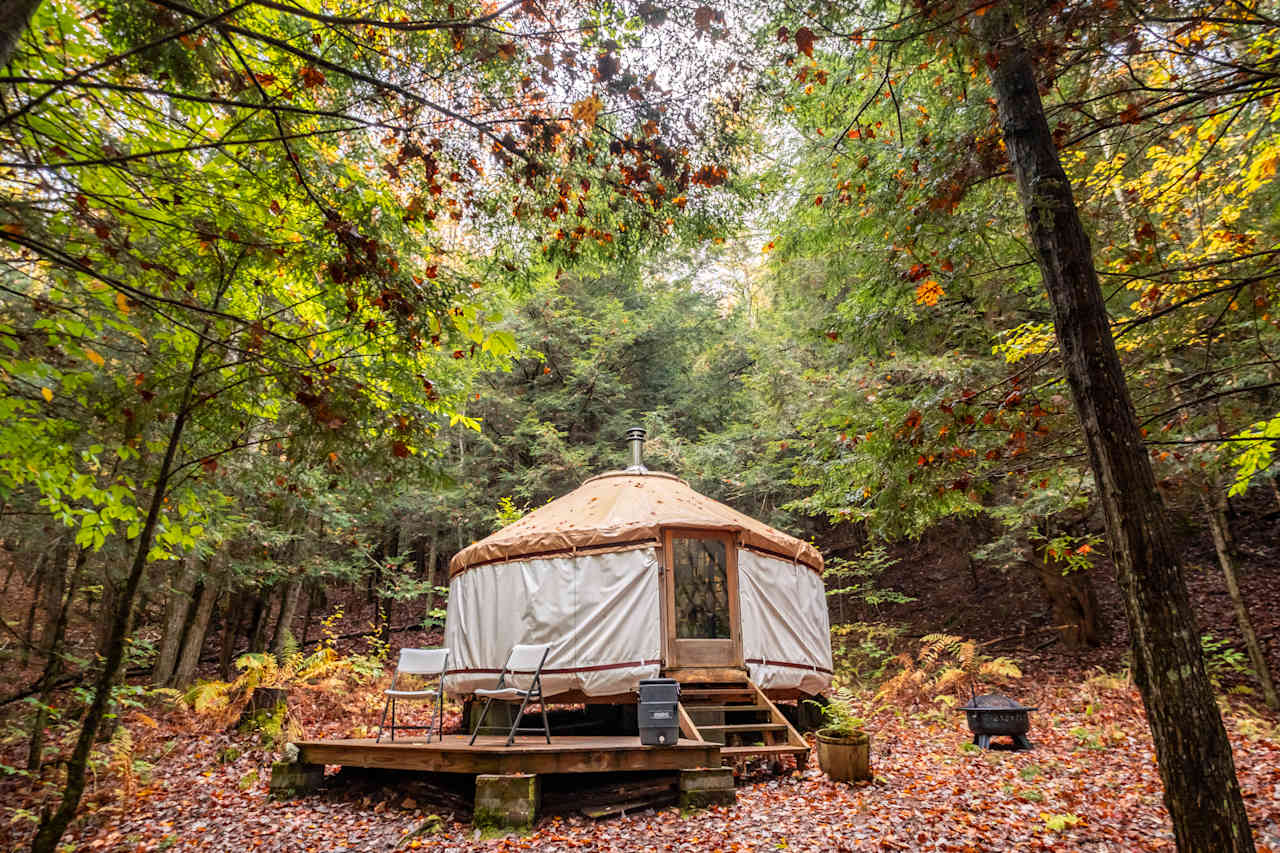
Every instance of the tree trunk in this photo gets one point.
(230, 633)
(1215, 508)
(1073, 602)
(185, 670)
(52, 826)
(14, 17)
(177, 606)
(1194, 755)
(308, 615)
(52, 669)
(102, 625)
(52, 596)
(288, 609)
(258, 622)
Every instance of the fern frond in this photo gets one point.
(949, 679)
(1000, 668)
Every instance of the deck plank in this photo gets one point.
(568, 754)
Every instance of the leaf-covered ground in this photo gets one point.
(1090, 784)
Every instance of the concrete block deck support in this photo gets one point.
(707, 787)
(507, 802)
(289, 779)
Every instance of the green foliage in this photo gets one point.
(1223, 660)
(507, 512)
(859, 577)
(838, 719)
(1255, 457)
(861, 652)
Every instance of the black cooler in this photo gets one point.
(659, 720)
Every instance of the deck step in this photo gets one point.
(743, 727)
(713, 693)
(766, 749)
(734, 709)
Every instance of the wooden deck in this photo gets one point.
(490, 754)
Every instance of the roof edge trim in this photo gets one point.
(614, 547)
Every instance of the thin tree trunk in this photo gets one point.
(230, 632)
(28, 638)
(53, 593)
(1194, 755)
(52, 668)
(15, 15)
(178, 603)
(306, 618)
(52, 827)
(29, 631)
(1215, 507)
(288, 610)
(258, 623)
(185, 670)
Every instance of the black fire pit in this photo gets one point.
(992, 715)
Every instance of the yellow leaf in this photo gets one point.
(95, 358)
(47, 394)
(122, 302)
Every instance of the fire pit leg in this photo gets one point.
(1021, 742)
(983, 741)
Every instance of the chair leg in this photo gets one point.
(546, 727)
(393, 719)
(382, 722)
(432, 724)
(511, 736)
(440, 715)
(480, 722)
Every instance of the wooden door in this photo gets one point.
(701, 599)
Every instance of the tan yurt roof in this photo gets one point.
(625, 508)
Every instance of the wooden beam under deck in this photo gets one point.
(490, 754)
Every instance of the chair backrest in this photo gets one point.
(523, 662)
(423, 661)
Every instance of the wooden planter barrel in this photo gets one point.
(845, 758)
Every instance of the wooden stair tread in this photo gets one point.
(768, 749)
(733, 709)
(742, 727)
(716, 693)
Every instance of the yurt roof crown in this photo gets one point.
(626, 509)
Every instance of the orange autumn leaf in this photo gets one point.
(584, 112)
(929, 292)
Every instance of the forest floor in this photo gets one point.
(1090, 784)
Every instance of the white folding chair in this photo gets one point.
(429, 663)
(523, 666)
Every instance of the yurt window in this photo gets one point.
(700, 569)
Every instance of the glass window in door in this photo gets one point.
(701, 589)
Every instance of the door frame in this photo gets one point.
(700, 653)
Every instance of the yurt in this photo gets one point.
(635, 575)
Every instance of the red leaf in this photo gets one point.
(312, 77)
(804, 41)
